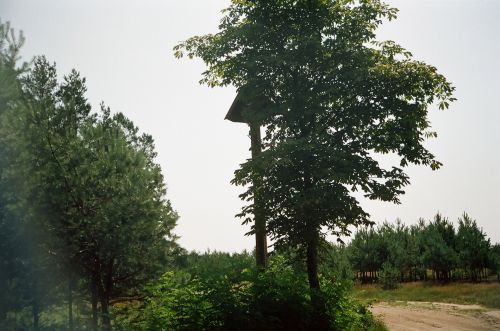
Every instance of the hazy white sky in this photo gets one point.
(124, 48)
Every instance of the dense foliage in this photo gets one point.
(232, 295)
(330, 97)
(83, 214)
(396, 252)
(82, 194)
(86, 237)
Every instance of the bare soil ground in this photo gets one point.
(409, 316)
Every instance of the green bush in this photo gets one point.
(278, 299)
(175, 302)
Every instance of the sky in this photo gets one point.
(124, 49)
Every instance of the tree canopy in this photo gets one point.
(450, 253)
(80, 189)
(331, 97)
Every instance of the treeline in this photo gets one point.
(428, 250)
(83, 214)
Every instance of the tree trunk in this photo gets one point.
(95, 317)
(106, 321)
(36, 314)
(105, 294)
(104, 300)
(319, 318)
(35, 304)
(312, 264)
(70, 303)
(259, 215)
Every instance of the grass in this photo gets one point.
(484, 294)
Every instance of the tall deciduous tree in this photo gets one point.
(331, 98)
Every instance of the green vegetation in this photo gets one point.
(330, 97)
(233, 295)
(398, 253)
(86, 227)
(83, 213)
(389, 276)
(485, 294)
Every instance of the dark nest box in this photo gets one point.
(235, 113)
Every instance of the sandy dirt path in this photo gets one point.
(413, 316)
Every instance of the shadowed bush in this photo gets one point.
(278, 299)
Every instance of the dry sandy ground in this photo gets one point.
(410, 316)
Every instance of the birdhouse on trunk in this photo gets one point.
(236, 114)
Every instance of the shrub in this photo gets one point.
(277, 299)
(389, 276)
(175, 302)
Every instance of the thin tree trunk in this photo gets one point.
(95, 316)
(70, 303)
(312, 264)
(259, 215)
(105, 294)
(36, 314)
(106, 322)
(319, 319)
(104, 300)
(35, 305)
